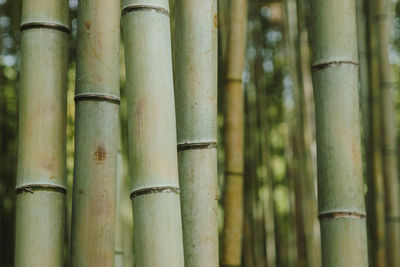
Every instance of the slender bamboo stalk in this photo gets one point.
(96, 133)
(383, 20)
(374, 171)
(196, 109)
(119, 197)
(340, 186)
(233, 198)
(152, 134)
(40, 187)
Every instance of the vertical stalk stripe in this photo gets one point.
(132, 8)
(45, 25)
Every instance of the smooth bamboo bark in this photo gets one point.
(40, 187)
(41, 162)
(152, 134)
(196, 110)
(340, 185)
(383, 20)
(374, 168)
(96, 133)
(233, 198)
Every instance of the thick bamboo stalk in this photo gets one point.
(96, 133)
(152, 134)
(196, 112)
(340, 185)
(40, 186)
(233, 198)
(383, 20)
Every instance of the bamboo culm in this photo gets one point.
(383, 20)
(152, 134)
(196, 110)
(40, 187)
(96, 133)
(340, 185)
(233, 197)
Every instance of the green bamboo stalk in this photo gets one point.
(119, 197)
(196, 109)
(152, 134)
(383, 20)
(233, 198)
(40, 187)
(374, 171)
(340, 185)
(96, 134)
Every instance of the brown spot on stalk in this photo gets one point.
(80, 191)
(49, 164)
(52, 177)
(88, 24)
(100, 154)
(215, 20)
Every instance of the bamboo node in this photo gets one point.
(342, 215)
(97, 97)
(331, 63)
(387, 85)
(133, 8)
(389, 151)
(155, 190)
(31, 188)
(204, 145)
(45, 25)
(383, 16)
(233, 80)
(233, 173)
(393, 219)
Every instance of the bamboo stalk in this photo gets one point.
(340, 189)
(152, 134)
(196, 109)
(40, 187)
(383, 20)
(374, 168)
(233, 198)
(96, 134)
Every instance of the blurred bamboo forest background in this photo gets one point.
(280, 200)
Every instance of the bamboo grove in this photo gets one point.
(172, 133)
